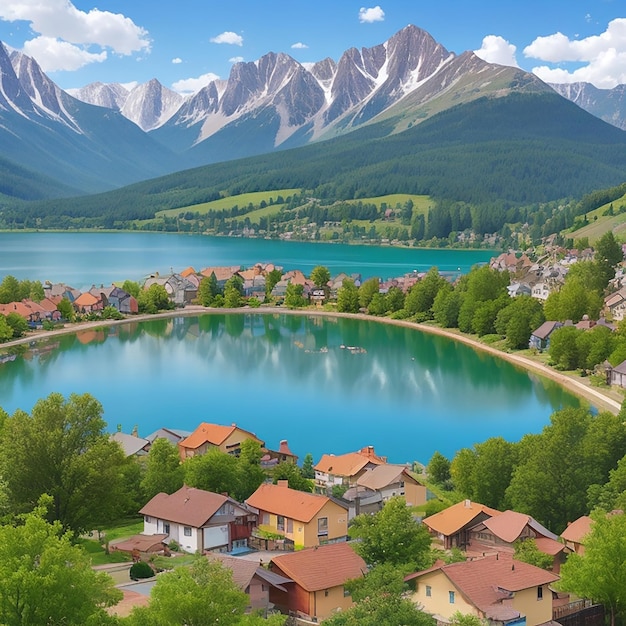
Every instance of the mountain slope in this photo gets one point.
(514, 150)
(607, 104)
(46, 130)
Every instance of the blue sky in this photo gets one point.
(186, 43)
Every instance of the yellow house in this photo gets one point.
(306, 519)
(206, 436)
(498, 589)
(394, 480)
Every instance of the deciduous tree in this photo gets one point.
(164, 471)
(391, 536)
(320, 276)
(348, 297)
(62, 449)
(46, 579)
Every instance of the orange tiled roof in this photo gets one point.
(280, 500)
(509, 525)
(322, 567)
(188, 272)
(221, 273)
(457, 516)
(208, 433)
(382, 475)
(348, 464)
(481, 580)
(577, 529)
(86, 299)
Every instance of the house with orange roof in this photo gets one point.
(451, 525)
(319, 576)
(26, 309)
(198, 520)
(88, 303)
(575, 533)
(500, 533)
(206, 436)
(345, 469)
(222, 274)
(303, 519)
(282, 455)
(495, 588)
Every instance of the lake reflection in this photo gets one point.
(325, 384)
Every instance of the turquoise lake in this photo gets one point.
(83, 259)
(288, 377)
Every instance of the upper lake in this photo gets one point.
(83, 259)
(406, 392)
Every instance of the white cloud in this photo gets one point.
(299, 46)
(54, 55)
(498, 50)
(66, 34)
(373, 14)
(60, 19)
(603, 57)
(228, 37)
(192, 85)
(235, 59)
(177, 61)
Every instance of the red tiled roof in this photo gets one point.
(550, 546)
(509, 525)
(578, 529)
(457, 516)
(291, 503)
(322, 567)
(215, 434)
(482, 581)
(188, 506)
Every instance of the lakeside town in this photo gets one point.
(300, 540)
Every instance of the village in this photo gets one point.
(290, 550)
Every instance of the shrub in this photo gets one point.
(141, 569)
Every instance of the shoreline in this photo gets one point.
(595, 396)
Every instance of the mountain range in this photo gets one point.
(106, 136)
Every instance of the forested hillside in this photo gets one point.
(494, 155)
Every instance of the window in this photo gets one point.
(166, 528)
(322, 526)
(289, 525)
(147, 519)
(187, 531)
(326, 593)
(280, 522)
(346, 593)
(266, 519)
(540, 593)
(451, 595)
(429, 591)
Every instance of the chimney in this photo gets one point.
(468, 504)
(283, 483)
(135, 432)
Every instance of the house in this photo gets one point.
(498, 589)
(345, 469)
(540, 338)
(540, 291)
(575, 533)
(394, 480)
(222, 274)
(451, 525)
(617, 375)
(173, 435)
(123, 301)
(88, 303)
(180, 290)
(615, 304)
(500, 533)
(303, 519)
(199, 520)
(206, 436)
(133, 445)
(272, 458)
(518, 289)
(318, 576)
(253, 579)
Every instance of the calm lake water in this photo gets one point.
(285, 376)
(83, 259)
